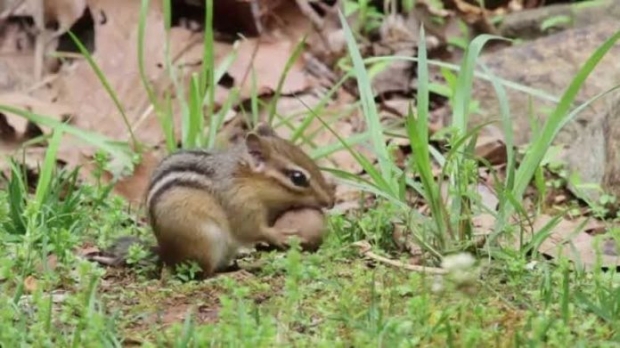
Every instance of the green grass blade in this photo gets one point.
(540, 94)
(193, 122)
(218, 120)
(299, 49)
(327, 150)
(368, 166)
(369, 109)
(504, 109)
(107, 87)
(48, 169)
(92, 138)
(462, 96)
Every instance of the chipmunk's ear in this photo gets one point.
(258, 150)
(264, 130)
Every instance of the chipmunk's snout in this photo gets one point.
(326, 199)
(331, 203)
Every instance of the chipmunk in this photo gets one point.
(205, 206)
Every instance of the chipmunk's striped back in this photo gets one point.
(186, 168)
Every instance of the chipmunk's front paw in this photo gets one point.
(289, 232)
(280, 236)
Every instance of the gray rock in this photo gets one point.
(594, 156)
(549, 64)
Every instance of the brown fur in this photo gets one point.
(241, 190)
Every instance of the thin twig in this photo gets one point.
(365, 250)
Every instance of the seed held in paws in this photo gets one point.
(311, 224)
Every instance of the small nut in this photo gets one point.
(310, 223)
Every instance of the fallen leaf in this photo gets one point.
(30, 284)
(133, 187)
(63, 12)
(268, 58)
(345, 207)
(569, 239)
(56, 111)
(484, 223)
(52, 262)
(16, 72)
(490, 146)
(488, 197)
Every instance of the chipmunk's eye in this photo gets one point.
(297, 178)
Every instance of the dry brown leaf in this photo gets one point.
(30, 284)
(345, 207)
(15, 39)
(346, 193)
(484, 223)
(488, 197)
(343, 159)
(569, 239)
(328, 43)
(16, 130)
(398, 37)
(116, 55)
(289, 20)
(16, 72)
(80, 91)
(57, 111)
(399, 106)
(268, 59)
(133, 187)
(490, 146)
(63, 12)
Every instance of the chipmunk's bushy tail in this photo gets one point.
(119, 250)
